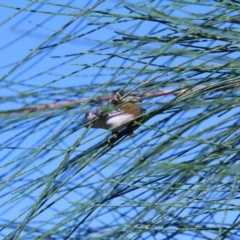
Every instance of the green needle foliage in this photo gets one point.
(178, 177)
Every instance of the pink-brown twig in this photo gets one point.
(42, 107)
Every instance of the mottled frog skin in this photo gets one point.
(117, 119)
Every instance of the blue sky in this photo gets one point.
(72, 70)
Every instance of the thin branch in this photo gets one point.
(43, 107)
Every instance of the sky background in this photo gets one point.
(43, 64)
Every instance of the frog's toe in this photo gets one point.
(112, 137)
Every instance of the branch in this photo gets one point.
(43, 107)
